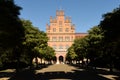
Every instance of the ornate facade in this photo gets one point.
(61, 34)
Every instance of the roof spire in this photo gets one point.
(60, 3)
(60, 7)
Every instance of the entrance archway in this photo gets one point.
(61, 59)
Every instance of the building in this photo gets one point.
(61, 34)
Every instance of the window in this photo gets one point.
(60, 47)
(60, 38)
(54, 47)
(54, 39)
(48, 31)
(67, 30)
(60, 29)
(54, 29)
(60, 26)
(67, 25)
(60, 22)
(72, 38)
(67, 38)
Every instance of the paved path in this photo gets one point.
(57, 68)
(67, 72)
(60, 72)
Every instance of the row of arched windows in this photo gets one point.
(60, 47)
(60, 38)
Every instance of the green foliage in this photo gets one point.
(71, 55)
(111, 32)
(35, 41)
(79, 48)
(110, 25)
(102, 42)
(49, 53)
(94, 40)
(11, 31)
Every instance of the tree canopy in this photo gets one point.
(35, 41)
(11, 31)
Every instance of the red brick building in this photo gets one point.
(61, 34)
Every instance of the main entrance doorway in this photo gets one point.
(61, 59)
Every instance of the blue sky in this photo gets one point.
(84, 13)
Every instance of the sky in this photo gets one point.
(84, 13)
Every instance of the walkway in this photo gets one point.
(67, 72)
(60, 72)
(57, 68)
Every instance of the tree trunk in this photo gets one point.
(31, 65)
(36, 61)
(18, 65)
(41, 60)
(111, 66)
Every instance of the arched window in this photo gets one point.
(54, 29)
(67, 38)
(67, 46)
(54, 47)
(60, 29)
(60, 47)
(60, 23)
(60, 38)
(67, 30)
(54, 39)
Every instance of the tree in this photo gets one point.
(35, 41)
(49, 53)
(110, 27)
(94, 44)
(11, 30)
(94, 41)
(71, 55)
(79, 48)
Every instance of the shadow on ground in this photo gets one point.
(23, 74)
(6, 74)
(77, 74)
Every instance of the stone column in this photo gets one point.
(57, 59)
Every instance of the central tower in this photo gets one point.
(61, 34)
